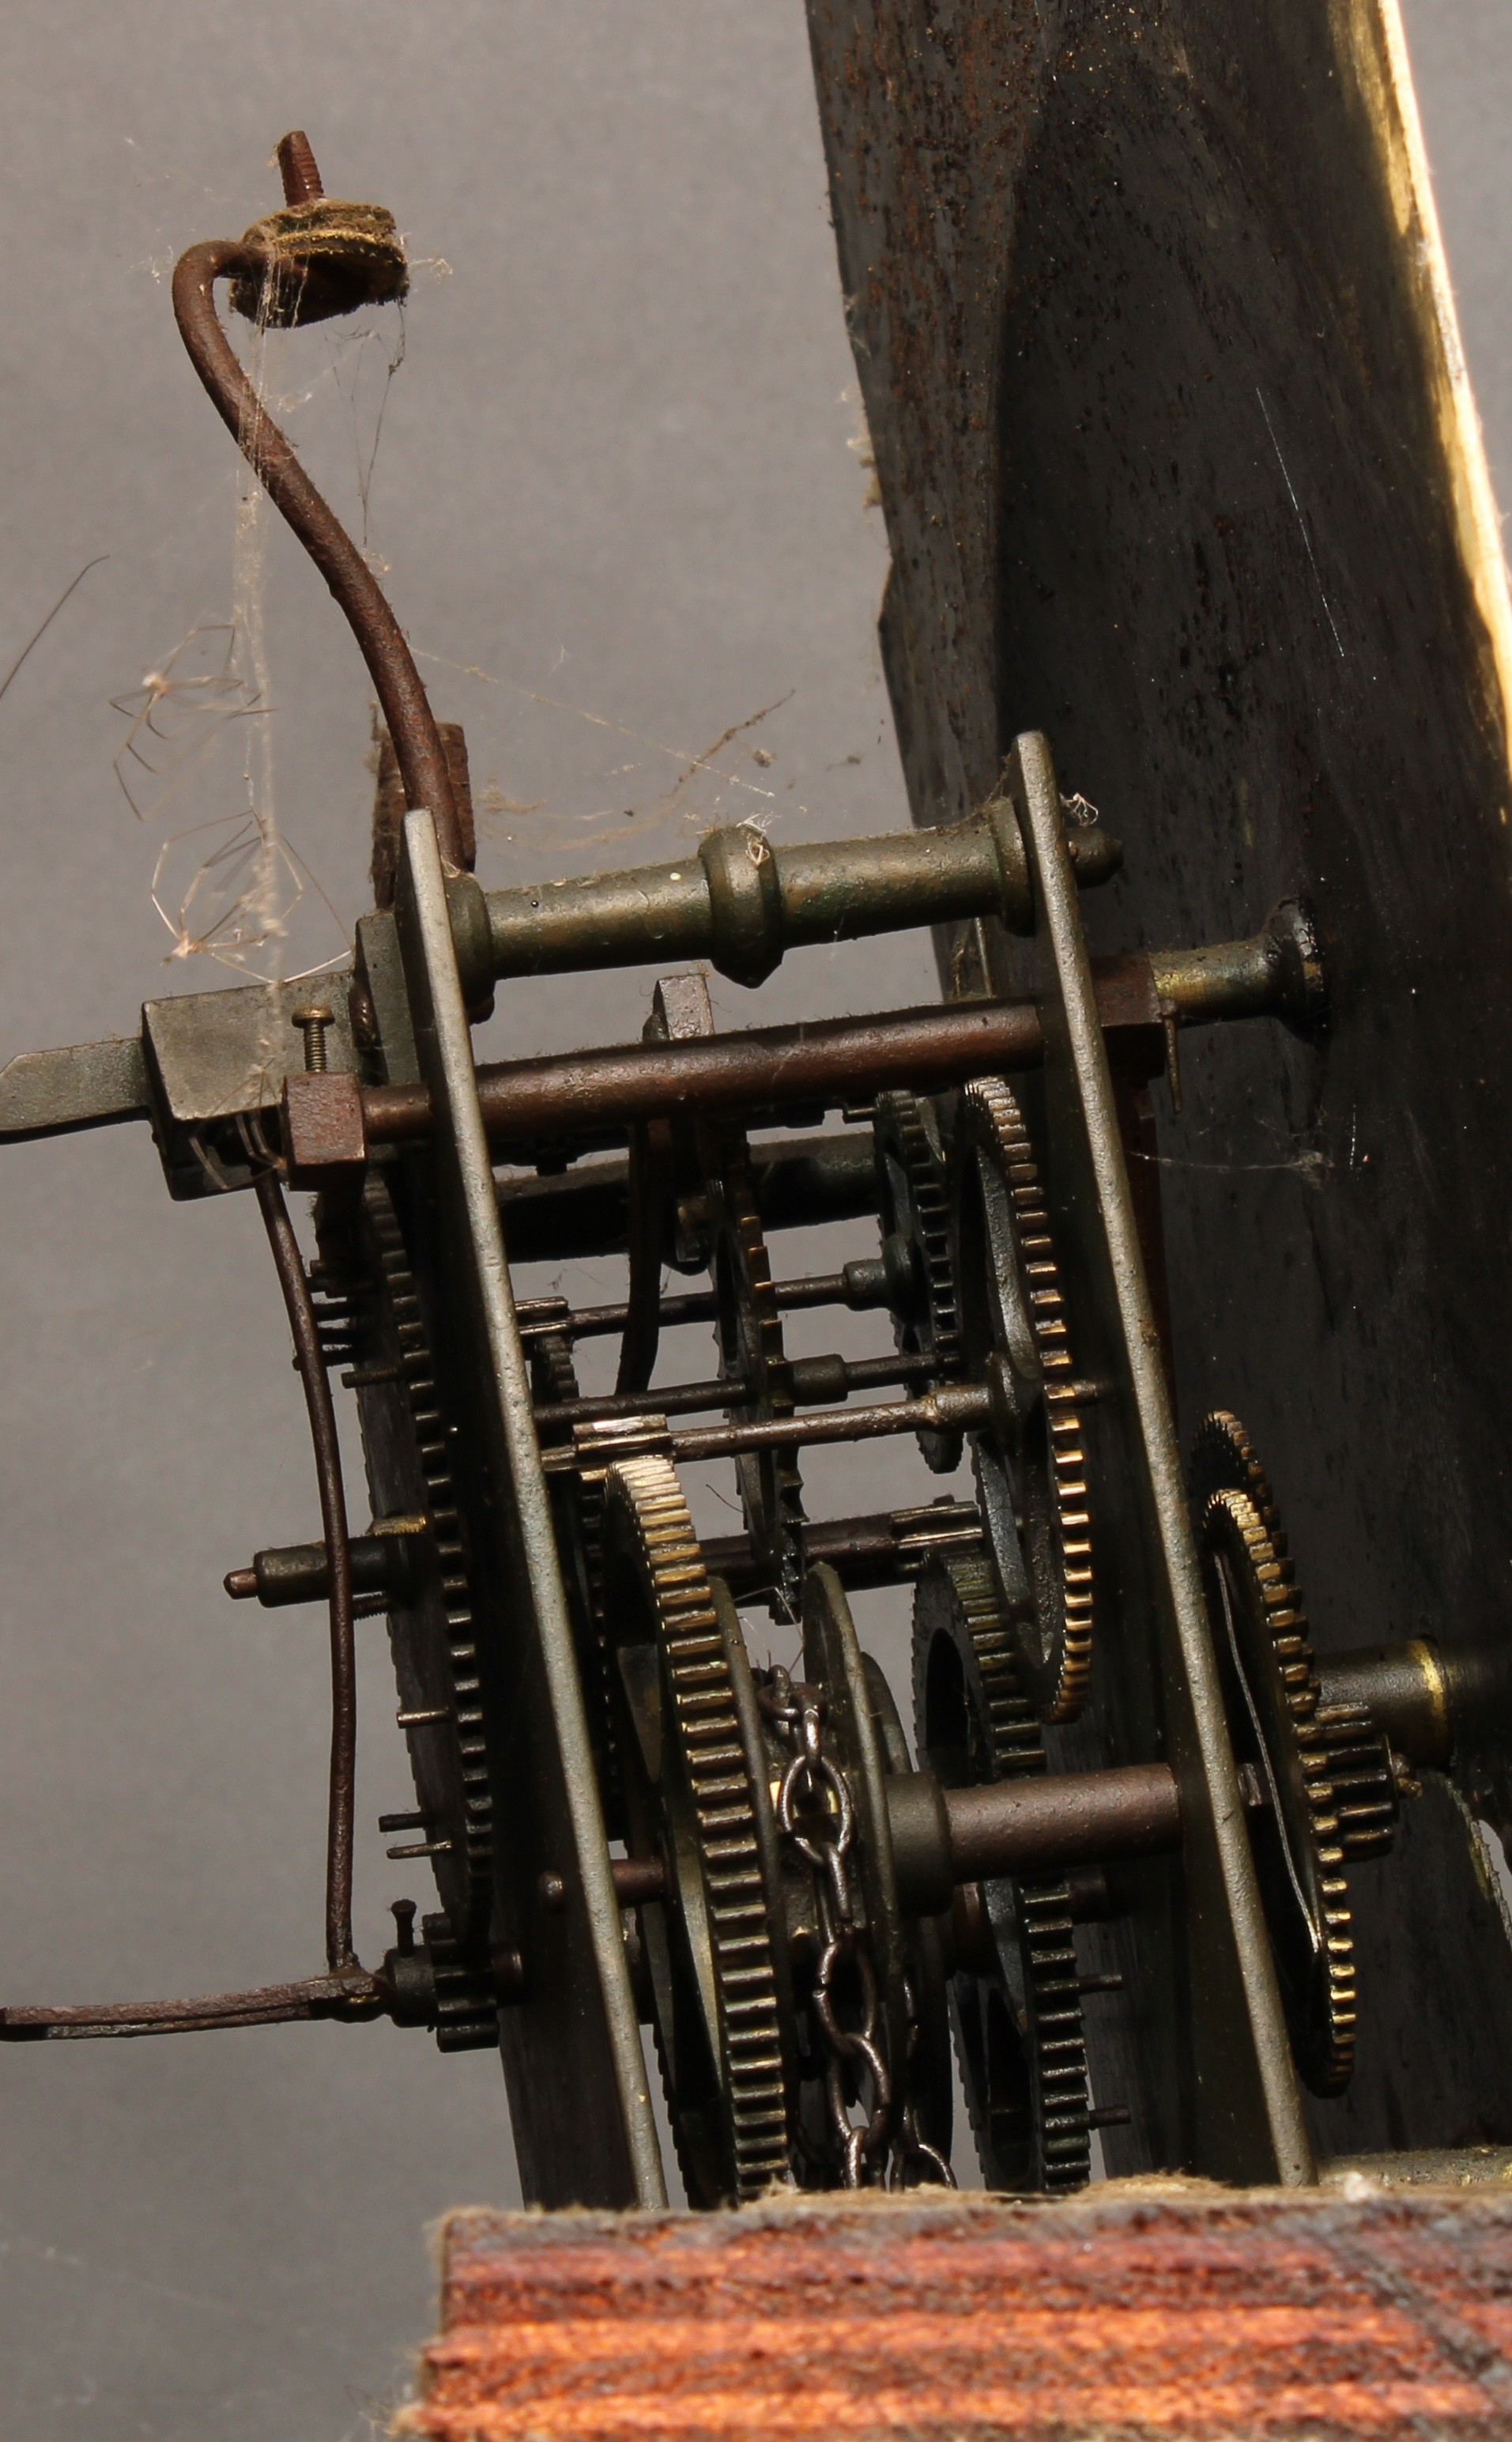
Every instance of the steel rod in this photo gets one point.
(1075, 1819)
(585, 1209)
(698, 1306)
(951, 1410)
(637, 1879)
(881, 1549)
(310, 1361)
(1244, 2070)
(688, 1398)
(742, 901)
(573, 1094)
(602, 2027)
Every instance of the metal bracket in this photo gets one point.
(578, 2090)
(1236, 2112)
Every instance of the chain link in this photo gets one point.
(817, 1816)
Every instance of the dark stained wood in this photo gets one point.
(1177, 465)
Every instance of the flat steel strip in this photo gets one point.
(1238, 2025)
(577, 2046)
(79, 1086)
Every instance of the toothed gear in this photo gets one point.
(1363, 1777)
(1018, 2028)
(1224, 1459)
(748, 1331)
(467, 2008)
(913, 1191)
(1299, 1839)
(1029, 1462)
(405, 1444)
(1361, 1770)
(692, 1792)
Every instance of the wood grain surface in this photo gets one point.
(1159, 2307)
(1179, 465)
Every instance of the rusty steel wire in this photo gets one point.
(310, 1361)
(267, 450)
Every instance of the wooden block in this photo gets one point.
(1142, 2308)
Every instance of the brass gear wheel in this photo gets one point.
(1018, 2014)
(407, 1448)
(695, 1789)
(1224, 1459)
(748, 1331)
(1029, 1462)
(1361, 1773)
(913, 1195)
(1266, 1659)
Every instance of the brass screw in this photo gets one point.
(312, 1023)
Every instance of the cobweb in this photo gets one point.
(228, 884)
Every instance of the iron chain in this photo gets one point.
(816, 1813)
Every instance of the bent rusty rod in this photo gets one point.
(271, 456)
(356, 1994)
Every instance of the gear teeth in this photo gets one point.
(1323, 1735)
(1224, 1459)
(909, 1159)
(466, 2012)
(992, 1119)
(751, 1345)
(644, 1501)
(1014, 1749)
(392, 1277)
(1361, 1783)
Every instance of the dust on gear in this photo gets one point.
(1029, 1462)
(748, 1333)
(1018, 2025)
(1279, 1728)
(406, 1446)
(913, 1190)
(691, 1791)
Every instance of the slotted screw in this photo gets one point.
(302, 179)
(312, 1023)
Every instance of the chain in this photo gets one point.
(817, 1815)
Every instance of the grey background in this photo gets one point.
(617, 477)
